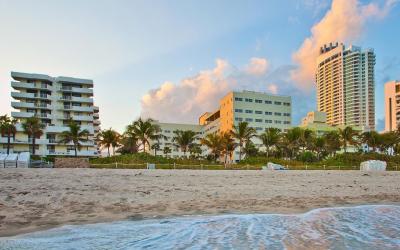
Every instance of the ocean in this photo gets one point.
(360, 227)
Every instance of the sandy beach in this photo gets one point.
(36, 199)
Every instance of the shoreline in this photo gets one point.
(41, 199)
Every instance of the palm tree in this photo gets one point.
(306, 138)
(155, 147)
(195, 150)
(243, 133)
(7, 127)
(347, 137)
(166, 151)
(145, 131)
(319, 145)
(33, 127)
(107, 138)
(371, 138)
(228, 146)
(184, 139)
(291, 140)
(213, 142)
(74, 135)
(388, 140)
(129, 141)
(332, 141)
(270, 138)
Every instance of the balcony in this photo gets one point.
(22, 85)
(21, 95)
(77, 99)
(96, 115)
(18, 105)
(42, 96)
(19, 115)
(82, 118)
(76, 108)
(69, 89)
(96, 122)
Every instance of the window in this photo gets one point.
(258, 128)
(278, 103)
(239, 110)
(286, 122)
(248, 111)
(239, 119)
(268, 113)
(268, 102)
(248, 100)
(278, 114)
(258, 112)
(286, 103)
(286, 114)
(238, 99)
(249, 119)
(258, 101)
(278, 122)
(259, 120)
(268, 121)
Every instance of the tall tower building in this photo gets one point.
(392, 105)
(345, 81)
(55, 100)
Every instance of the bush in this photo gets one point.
(307, 157)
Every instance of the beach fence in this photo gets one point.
(118, 165)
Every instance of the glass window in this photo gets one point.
(268, 102)
(249, 119)
(248, 100)
(278, 103)
(248, 111)
(258, 112)
(258, 120)
(239, 110)
(258, 101)
(238, 99)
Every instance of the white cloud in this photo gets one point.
(257, 66)
(272, 88)
(344, 22)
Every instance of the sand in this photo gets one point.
(36, 199)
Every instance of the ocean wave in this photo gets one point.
(361, 227)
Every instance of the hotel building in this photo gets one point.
(260, 110)
(55, 100)
(392, 105)
(345, 85)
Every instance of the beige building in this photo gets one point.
(345, 85)
(316, 121)
(392, 105)
(54, 100)
(260, 110)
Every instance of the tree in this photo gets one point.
(7, 127)
(306, 138)
(213, 142)
(348, 136)
(145, 131)
(184, 139)
(270, 138)
(319, 145)
(250, 149)
(291, 141)
(243, 133)
(195, 150)
(107, 138)
(228, 145)
(389, 140)
(129, 141)
(372, 139)
(33, 127)
(75, 135)
(333, 143)
(166, 151)
(155, 147)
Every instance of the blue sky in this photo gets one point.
(132, 47)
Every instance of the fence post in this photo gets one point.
(201, 166)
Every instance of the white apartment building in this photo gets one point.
(54, 100)
(346, 85)
(260, 110)
(392, 105)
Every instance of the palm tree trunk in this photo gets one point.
(76, 151)
(267, 151)
(240, 151)
(108, 149)
(144, 146)
(8, 143)
(33, 145)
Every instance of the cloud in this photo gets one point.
(344, 22)
(257, 66)
(192, 96)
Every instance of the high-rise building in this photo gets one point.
(392, 105)
(260, 110)
(55, 100)
(345, 85)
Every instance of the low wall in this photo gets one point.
(71, 163)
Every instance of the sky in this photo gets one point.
(172, 60)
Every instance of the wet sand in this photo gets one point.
(36, 199)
